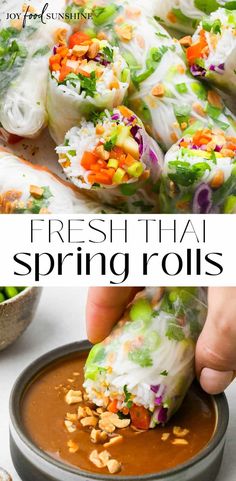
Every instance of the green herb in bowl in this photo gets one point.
(9, 292)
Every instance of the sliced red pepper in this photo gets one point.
(140, 417)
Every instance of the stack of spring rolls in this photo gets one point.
(116, 90)
(146, 365)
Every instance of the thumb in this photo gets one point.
(216, 347)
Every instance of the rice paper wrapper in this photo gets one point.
(217, 64)
(199, 175)
(148, 359)
(29, 189)
(23, 86)
(137, 194)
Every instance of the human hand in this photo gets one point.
(216, 347)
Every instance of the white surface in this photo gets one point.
(61, 319)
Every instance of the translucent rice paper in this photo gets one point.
(139, 193)
(24, 85)
(218, 63)
(164, 94)
(68, 104)
(200, 179)
(148, 359)
(16, 178)
(184, 15)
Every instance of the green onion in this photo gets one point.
(141, 310)
(182, 88)
(136, 169)
(102, 14)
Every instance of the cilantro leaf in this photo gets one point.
(175, 333)
(141, 357)
(128, 395)
(164, 373)
(88, 84)
(109, 54)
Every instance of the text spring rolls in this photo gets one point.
(29, 189)
(86, 74)
(146, 365)
(212, 54)
(113, 159)
(24, 73)
(199, 174)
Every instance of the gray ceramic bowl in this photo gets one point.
(16, 314)
(32, 463)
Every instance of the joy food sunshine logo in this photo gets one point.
(29, 13)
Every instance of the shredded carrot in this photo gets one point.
(112, 407)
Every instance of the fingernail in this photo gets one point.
(215, 382)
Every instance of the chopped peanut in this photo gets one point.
(28, 8)
(36, 191)
(113, 466)
(104, 456)
(80, 50)
(73, 447)
(214, 99)
(125, 32)
(60, 36)
(99, 460)
(81, 412)
(94, 458)
(186, 41)
(103, 154)
(73, 397)
(98, 436)
(117, 439)
(165, 436)
(158, 90)
(44, 210)
(180, 433)
(102, 36)
(199, 109)
(93, 49)
(71, 428)
(180, 442)
(107, 426)
(89, 421)
(171, 17)
(218, 179)
(72, 417)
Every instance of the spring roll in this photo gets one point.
(86, 75)
(199, 175)
(113, 159)
(31, 189)
(24, 72)
(184, 15)
(212, 53)
(146, 365)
